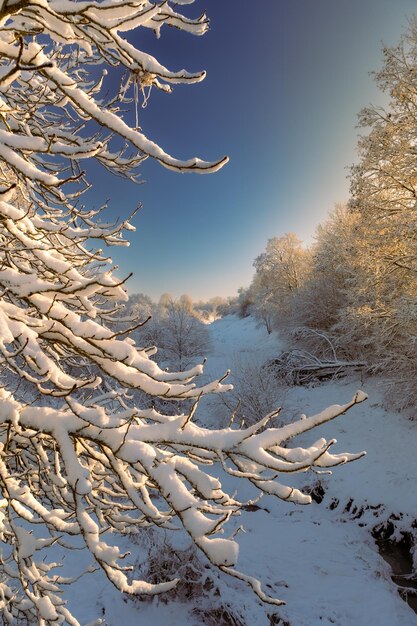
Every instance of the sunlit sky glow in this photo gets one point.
(286, 79)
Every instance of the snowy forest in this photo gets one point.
(156, 457)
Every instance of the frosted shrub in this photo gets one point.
(256, 392)
(161, 560)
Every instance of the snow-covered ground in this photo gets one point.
(320, 560)
(234, 339)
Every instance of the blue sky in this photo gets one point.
(285, 81)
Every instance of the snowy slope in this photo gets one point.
(322, 562)
(233, 337)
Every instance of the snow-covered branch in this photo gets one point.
(79, 35)
(87, 470)
(80, 457)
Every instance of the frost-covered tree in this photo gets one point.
(183, 337)
(280, 271)
(381, 303)
(78, 461)
(174, 327)
(139, 306)
(325, 291)
(244, 301)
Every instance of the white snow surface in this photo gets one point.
(321, 562)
